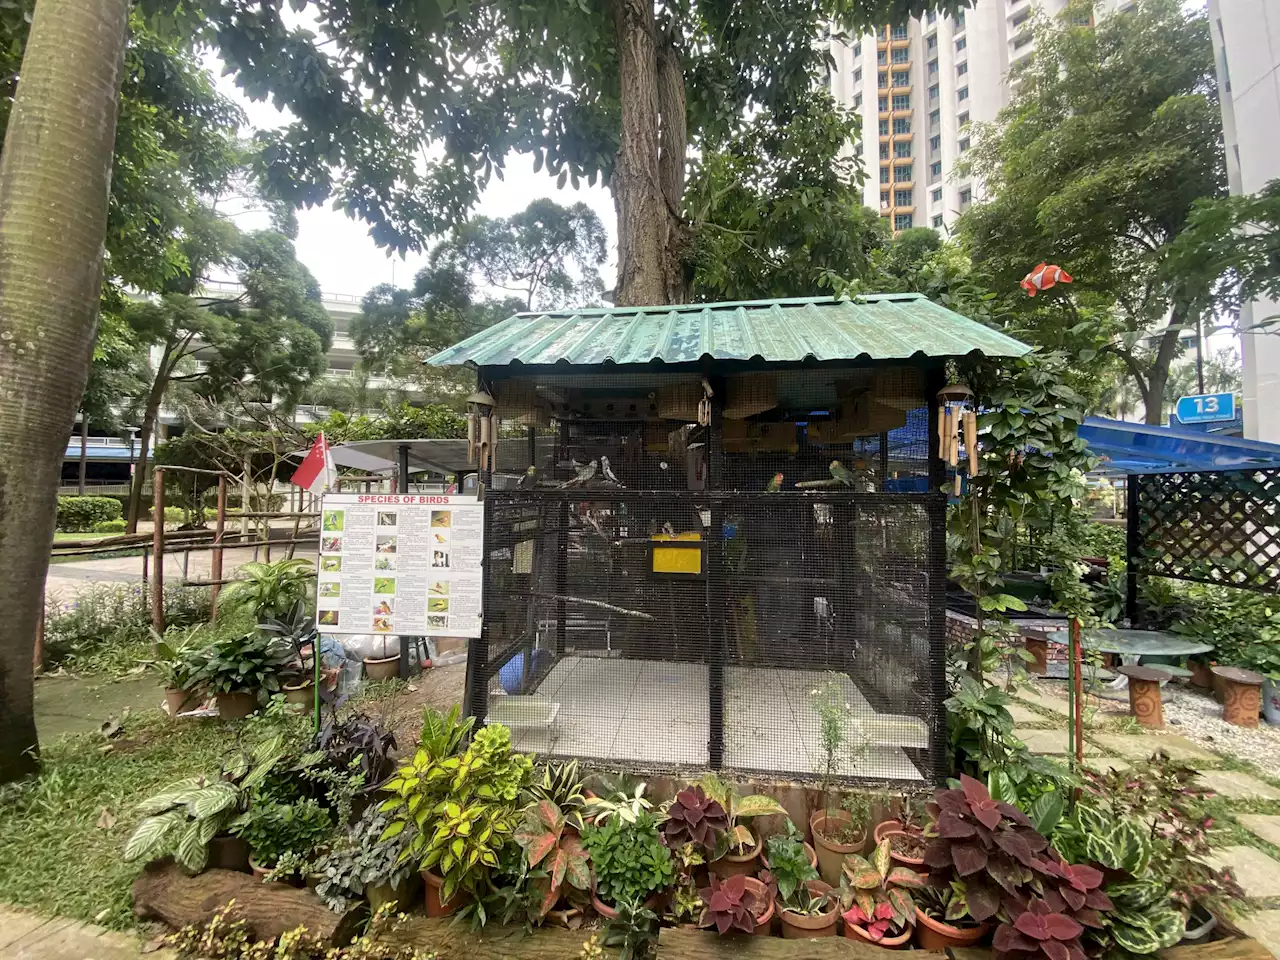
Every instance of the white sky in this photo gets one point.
(338, 250)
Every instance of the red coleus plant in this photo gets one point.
(733, 904)
(696, 818)
(1007, 872)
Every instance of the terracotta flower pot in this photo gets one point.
(886, 826)
(808, 849)
(899, 942)
(831, 854)
(933, 934)
(609, 913)
(258, 870)
(738, 864)
(435, 908)
(236, 706)
(176, 700)
(381, 669)
(901, 858)
(303, 694)
(798, 926)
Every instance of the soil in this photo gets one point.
(907, 845)
(845, 834)
(439, 687)
(964, 923)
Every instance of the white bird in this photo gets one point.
(585, 474)
(608, 471)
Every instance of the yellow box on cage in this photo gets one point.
(679, 554)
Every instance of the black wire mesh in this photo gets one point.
(1216, 526)
(668, 629)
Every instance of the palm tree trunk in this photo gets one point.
(155, 396)
(55, 176)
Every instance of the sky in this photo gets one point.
(337, 249)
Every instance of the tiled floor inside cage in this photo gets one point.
(649, 711)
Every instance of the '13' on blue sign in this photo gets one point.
(1206, 408)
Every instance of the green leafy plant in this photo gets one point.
(80, 514)
(834, 715)
(629, 859)
(687, 905)
(462, 806)
(361, 859)
(110, 526)
(562, 784)
(181, 819)
(789, 871)
(634, 931)
(876, 895)
(737, 809)
(242, 663)
(174, 661)
(558, 855)
(621, 801)
(270, 589)
(272, 829)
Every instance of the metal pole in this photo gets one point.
(215, 558)
(84, 449)
(402, 466)
(157, 547)
(716, 604)
(1199, 356)
(1075, 738)
(1131, 551)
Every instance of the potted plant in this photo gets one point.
(629, 862)
(942, 920)
(1263, 657)
(236, 667)
(806, 908)
(298, 629)
(553, 848)
(838, 829)
(696, 818)
(269, 590)
(386, 666)
(688, 909)
(910, 820)
(1001, 869)
(470, 798)
(877, 899)
(738, 848)
(174, 663)
(562, 784)
(362, 864)
(272, 829)
(737, 904)
(623, 799)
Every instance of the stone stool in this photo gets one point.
(1144, 694)
(1241, 695)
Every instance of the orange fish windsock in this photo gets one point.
(1043, 277)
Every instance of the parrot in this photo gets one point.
(529, 479)
(668, 529)
(607, 470)
(841, 473)
(585, 474)
(775, 484)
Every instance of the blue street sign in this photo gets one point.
(1206, 408)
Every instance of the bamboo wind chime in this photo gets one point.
(957, 419)
(481, 448)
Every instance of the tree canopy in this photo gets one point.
(1112, 135)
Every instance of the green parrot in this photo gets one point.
(841, 473)
(775, 484)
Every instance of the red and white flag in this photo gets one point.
(317, 472)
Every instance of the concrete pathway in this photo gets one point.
(29, 936)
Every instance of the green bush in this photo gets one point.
(113, 617)
(79, 514)
(109, 526)
(172, 515)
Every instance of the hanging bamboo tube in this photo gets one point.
(971, 440)
(486, 443)
(471, 437)
(942, 431)
(953, 447)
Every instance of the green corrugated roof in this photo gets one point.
(878, 327)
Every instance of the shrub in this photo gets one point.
(111, 616)
(270, 590)
(172, 515)
(79, 514)
(629, 859)
(109, 526)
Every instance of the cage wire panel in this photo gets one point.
(1215, 526)
(664, 612)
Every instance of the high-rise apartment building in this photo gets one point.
(1246, 45)
(917, 87)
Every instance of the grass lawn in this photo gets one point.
(59, 536)
(61, 835)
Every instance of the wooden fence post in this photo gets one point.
(215, 559)
(157, 548)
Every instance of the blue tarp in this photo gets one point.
(1140, 448)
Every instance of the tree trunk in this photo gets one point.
(55, 177)
(649, 227)
(164, 892)
(1158, 377)
(152, 413)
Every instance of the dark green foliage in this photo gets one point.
(80, 514)
(274, 829)
(242, 663)
(789, 866)
(109, 526)
(629, 859)
(110, 616)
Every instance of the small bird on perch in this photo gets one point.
(607, 470)
(529, 479)
(775, 484)
(584, 474)
(841, 473)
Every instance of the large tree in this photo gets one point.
(269, 340)
(55, 175)
(1112, 135)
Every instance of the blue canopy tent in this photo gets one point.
(1200, 507)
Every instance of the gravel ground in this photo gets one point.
(1194, 715)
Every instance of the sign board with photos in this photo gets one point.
(400, 564)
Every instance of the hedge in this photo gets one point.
(109, 526)
(80, 514)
